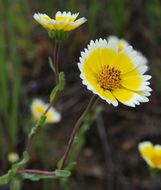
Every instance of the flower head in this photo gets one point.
(62, 22)
(114, 74)
(38, 108)
(151, 154)
(13, 157)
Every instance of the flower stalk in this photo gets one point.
(56, 66)
(34, 171)
(56, 61)
(75, 130)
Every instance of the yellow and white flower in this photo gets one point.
(38, 108)
(122, 44)
(151, 154)
(63, 21)
(113, 74)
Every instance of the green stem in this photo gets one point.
(75, 130)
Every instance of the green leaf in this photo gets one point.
(71, 165)
(62, 173)
(53, 93)
(56, 175)
(61, 81)
(51, 64)
(58, 87)
(59, 164)
(35, 177)
(41, 120)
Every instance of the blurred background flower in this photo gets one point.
(38, 108)
(151, 154)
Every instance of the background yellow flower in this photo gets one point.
(151, 154)
(122, 44)
(38, 108)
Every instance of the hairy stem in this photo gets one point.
(56, 59)
(34, 171)
(75, 130)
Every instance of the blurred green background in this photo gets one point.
(108, 159)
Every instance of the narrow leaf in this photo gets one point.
(51, 64)
(53, 93)
(35, 177)
(62, 173)
(61, 81)
(41, 120)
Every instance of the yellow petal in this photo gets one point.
(61, 18)
(108, 57)
(93, 62)
(93, 85)
(75, 24)
(121, 46)
(70, 26)
(50, 117)
(134, 72)
(60, 25)
(146, 149)
(124, 63)
(47, 18)
(40, 109)
(125, 96)
(107, 95)
(132, 82)
(99, 58)
(65, 16)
